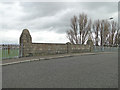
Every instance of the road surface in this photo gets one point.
(88, 71)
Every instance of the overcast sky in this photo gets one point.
(48, 22)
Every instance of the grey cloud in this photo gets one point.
(39, 9)
(48, 16)
(34, 10)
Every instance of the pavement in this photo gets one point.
(39, 58)
(79, 71)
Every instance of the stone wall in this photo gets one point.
(47, 48)
(27, 48)
(79, 48)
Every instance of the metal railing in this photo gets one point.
(9, 51)
(104, 49)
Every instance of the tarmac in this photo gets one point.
(88, 70)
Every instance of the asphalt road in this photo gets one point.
(89, 71)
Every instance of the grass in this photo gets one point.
(4, 54)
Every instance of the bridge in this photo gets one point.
(67, 68)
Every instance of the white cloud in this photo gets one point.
(11, 37)
(51, 20)
(10, 14)
(48, 37)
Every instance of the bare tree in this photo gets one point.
(70, 36)
(96, 29)
(79, 29)
(72, 33)
(104, 32)
(113, 36)
(101, 33)
(84, 27)
(117, 37)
